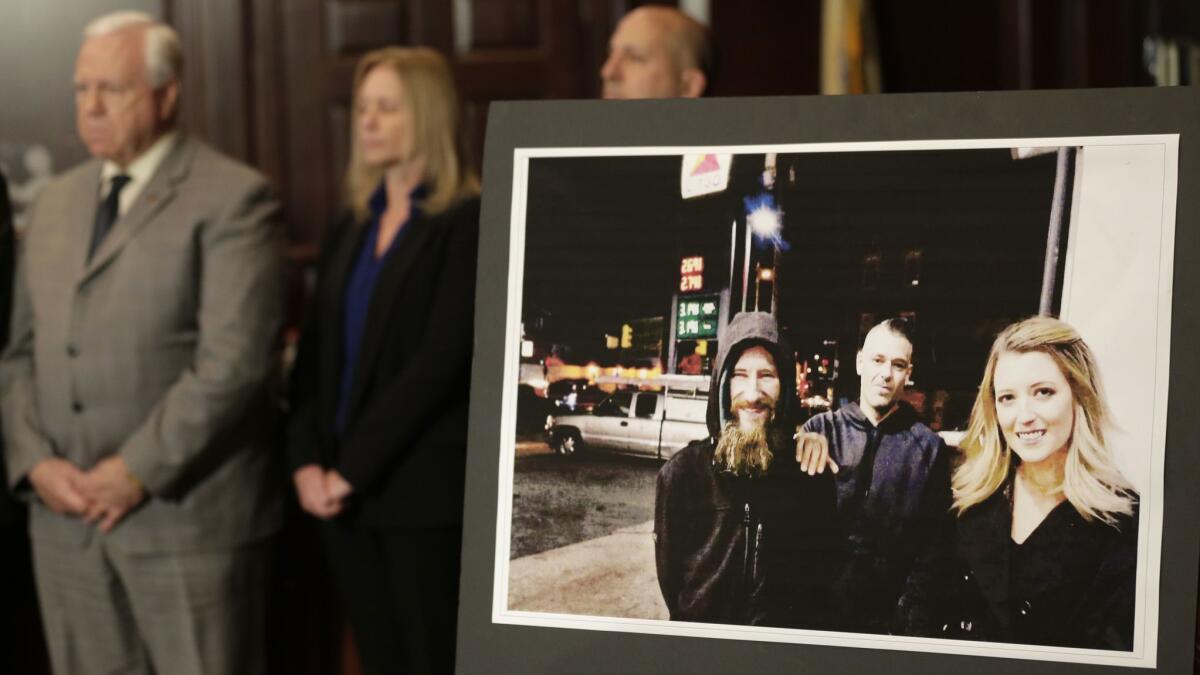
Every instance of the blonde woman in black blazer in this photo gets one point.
(377, 435)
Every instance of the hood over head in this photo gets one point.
(749, 329)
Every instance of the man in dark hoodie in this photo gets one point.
(893, 486)
(744, 535)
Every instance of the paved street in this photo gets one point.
(565, 500)
(582, 538)
(609, 576)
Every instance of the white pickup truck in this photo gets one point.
(646, 423)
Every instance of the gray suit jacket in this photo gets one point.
(160, 348)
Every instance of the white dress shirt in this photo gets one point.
(140, 171)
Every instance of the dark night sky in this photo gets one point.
(604, 236)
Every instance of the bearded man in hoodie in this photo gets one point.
(743, 533)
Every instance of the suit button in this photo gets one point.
(1026, 608)
(71, 351)
(77, 406)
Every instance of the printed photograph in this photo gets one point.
(903, 395)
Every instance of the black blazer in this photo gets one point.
(1081, 579)
(404, 445)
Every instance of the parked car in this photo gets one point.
(646, 423)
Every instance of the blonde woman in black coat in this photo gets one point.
(377, 436)
(1046, 532)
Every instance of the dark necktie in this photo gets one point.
(106, 213)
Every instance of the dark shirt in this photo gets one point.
(893, 499)
(360, 288)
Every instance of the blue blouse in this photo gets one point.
(360, 288)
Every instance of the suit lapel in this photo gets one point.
(157, 194)
(383, 298)
(80, 216)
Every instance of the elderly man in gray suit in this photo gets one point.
(135, 389)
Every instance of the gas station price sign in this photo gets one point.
(696, 317)
(691, 274)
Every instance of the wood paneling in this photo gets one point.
(766, 48)
(358, 26)
(502, 23)
(268, 106)
(944, 45)
(309, 195)
(216, 96)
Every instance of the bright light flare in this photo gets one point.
(764, 222)
(765, 219)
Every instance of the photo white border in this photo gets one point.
(1144, 654)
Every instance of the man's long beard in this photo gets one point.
(742, 453)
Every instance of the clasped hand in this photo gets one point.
(101, 496)
(322, 491)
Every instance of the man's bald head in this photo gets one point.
(657, 52)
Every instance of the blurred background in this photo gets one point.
(268, 81)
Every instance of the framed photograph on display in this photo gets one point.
(626, 247)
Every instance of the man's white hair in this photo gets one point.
(164, 53)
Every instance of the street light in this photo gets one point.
(764, 221)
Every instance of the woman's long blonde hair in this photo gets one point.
(437, 130)
(1091, 480)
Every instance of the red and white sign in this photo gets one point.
(704, 173)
